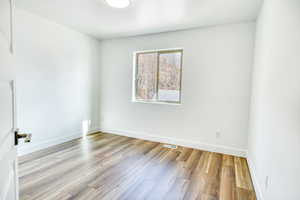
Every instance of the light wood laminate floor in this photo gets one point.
(108, 167)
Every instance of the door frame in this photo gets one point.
(15, 126)
(14, 95)
(11, 28)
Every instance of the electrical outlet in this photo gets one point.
(218, 134)
(267, 182)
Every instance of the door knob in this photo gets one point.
(26, 136)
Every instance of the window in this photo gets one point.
(158, 76)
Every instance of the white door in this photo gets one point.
(8, 153)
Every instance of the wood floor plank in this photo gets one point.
(110, 167)
(227, 184)
(242, 175)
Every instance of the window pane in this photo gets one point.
(146, 77)
(169, 77)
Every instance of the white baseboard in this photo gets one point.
(255, 182)
(30, 148)
(23, 150)
(180, 142)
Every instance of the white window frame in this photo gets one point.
(134, 82)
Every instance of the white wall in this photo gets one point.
(56, 80)
(215, 95)
(275, 112)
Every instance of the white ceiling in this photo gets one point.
(96, 18)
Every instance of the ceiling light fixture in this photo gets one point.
(118, 3)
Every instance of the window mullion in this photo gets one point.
(157, 78)
(136, 75)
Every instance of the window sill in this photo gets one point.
(157, 102)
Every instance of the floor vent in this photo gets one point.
(170, 146)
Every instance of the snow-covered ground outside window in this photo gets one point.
(169, 95)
